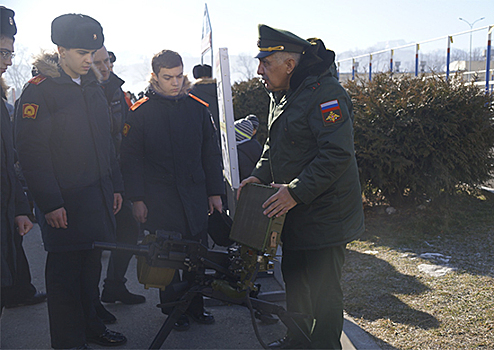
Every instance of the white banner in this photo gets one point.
(207, 37)
(226, 118)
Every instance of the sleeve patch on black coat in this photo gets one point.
(126, 129)
(29, 110)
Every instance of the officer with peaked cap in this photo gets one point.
(66, 151)
(310, 158)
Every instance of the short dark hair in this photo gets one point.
(166, 59)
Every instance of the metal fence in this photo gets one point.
(442, 56)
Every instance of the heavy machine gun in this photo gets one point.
(228, 275)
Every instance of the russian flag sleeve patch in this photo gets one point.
(331, 112)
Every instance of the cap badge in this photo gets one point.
(274, 48)
(95, 37)
(11, 21)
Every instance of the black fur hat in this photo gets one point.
(77, 31)
(7, 22)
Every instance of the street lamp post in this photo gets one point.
(471, 27)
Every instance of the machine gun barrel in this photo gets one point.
(142, 250)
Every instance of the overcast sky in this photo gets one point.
(135, 30)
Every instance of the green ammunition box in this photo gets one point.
(250, 226)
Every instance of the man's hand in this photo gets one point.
(215, 203)
(117, 203)
(250, 179)
(280, 202)
(140, 211)
(23, 224)
(57, 218)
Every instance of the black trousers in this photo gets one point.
(22, 288)
(312, 279)
(174, 292)
(71, 282)
(127, 232)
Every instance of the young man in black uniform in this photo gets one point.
(66, 152)
(16, 280)
(205, 88)
(171, 163)
(114, 288)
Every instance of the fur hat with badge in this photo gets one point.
(76, 31)
(7, 23)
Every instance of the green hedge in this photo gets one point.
(417, 138)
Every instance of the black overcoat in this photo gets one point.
(65, 148)
(172, 161)
(118, 108)
(14, 201)
(248, 153)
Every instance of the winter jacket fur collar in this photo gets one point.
(204, 81)
(47, 64)
(154, 89)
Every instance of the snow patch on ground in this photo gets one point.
(371, 252)
(435, 270)
(436, 256)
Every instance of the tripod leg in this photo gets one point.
(286, 317)
(167, 326)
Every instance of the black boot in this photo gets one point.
(35, 299)
(182, 324)
(107, 338)
(104, 315)
(288, 343)
(116, 291)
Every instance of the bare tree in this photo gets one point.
(20, 71)
(435, 61)
(459, 55)
(246, 66)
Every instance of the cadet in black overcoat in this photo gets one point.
(66, 152)
(14, 204)
(171, 160)
(114, 288)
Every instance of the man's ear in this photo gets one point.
(290, 65)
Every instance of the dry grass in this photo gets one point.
(404, 308)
